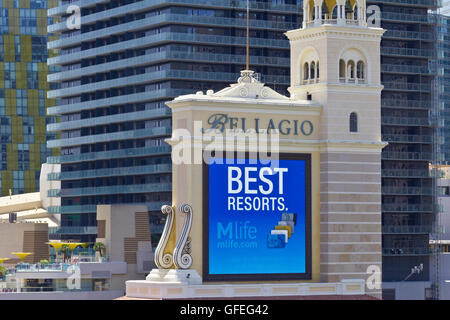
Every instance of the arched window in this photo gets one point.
(312, 72)
(318, 70)
(335, 12)
(360, 70)
(348, 10)
(342, 69)
(351, 69)
(305, 71)
(353, 122)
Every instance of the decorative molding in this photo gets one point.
(165, 261)
(182, 256)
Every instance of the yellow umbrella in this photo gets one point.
(3, 260)
(73, 245)
(56, 245)
(22, 255)
(84, 245)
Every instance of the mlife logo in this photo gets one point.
(236, 235)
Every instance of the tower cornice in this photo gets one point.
(335, 31)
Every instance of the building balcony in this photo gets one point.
(406, 138)
(90, 208)
(166, 37)
(164, 56)
(398, 86)
(406, 190)
(405, 69)
(166, 94)
(72, 209)
(421, 156)
(407, 17)
(404, 173)
(407, 251)
(418, 229)
(116, 118)
(410, 35)
(407, 52)
(109, 190)
(153, 21)
(113, 154)
(396, 103)
(111, 172)
(158, 76)
(422, 3)
(405, 121)
(62, 10)
(138, 6)
(394, 207)
(107, 137)
(72, 230)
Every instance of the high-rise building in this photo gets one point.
(129, 57)
(117, 71)
(443, 79)
(23, 93)
(407, 103)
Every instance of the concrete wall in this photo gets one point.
(125, 228)
(45, 185)
(408, 290)
(24, 237)
(87, 295)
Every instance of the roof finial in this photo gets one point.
(247, 67)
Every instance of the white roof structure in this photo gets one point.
(28, 207)
(248, 89)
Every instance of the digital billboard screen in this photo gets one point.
(257, 219)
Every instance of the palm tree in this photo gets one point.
(65, 249)
(100, 248)
(3, 272)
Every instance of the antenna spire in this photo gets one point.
(247, 67)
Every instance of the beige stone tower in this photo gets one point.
(335, 61)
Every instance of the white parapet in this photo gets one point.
(183, 284)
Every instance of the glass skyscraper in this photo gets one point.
(408, 52)
(443, 79)
(23, 93)
(128, 58)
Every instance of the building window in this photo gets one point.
(360, 70)
(18, 182)
(23, 156)
(353, 122)
(342, 69)
(351, 70)
(310, 72)
(306, 71)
